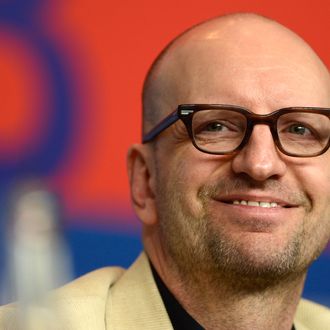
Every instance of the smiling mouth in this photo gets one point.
(257, 204)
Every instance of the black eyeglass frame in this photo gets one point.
(185, 112)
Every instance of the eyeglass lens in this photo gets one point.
(222, 131)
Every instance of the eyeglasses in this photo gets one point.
(223, 129)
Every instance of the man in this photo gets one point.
(232, 188)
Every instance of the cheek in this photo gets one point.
(315, 181)
(187, 171)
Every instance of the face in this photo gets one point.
(256, 213)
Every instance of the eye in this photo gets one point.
(215, 127)
(299, 129)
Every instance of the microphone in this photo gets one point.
(38, 257)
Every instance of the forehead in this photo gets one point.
(244, 70)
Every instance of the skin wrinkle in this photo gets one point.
(229, 271)
(217, 248)
(230, 186)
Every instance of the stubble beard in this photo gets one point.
(202, 253)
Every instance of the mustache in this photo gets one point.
(245, 185)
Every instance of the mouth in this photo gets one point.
(267, 203)
(254, 212)
(255, 203)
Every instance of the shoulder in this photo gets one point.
(80, 304)
(95, 283)
(311, 315)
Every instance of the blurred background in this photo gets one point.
(71, 74)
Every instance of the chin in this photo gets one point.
(260, 258)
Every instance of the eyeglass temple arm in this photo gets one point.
(166, 122)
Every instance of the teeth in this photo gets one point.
(254, 203)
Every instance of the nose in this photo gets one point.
(259, 158)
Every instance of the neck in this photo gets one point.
(230, 302)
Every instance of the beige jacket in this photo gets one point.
(111, 298)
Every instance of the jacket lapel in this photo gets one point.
(134, 301)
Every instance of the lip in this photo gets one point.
(251, 218)
(281, 202)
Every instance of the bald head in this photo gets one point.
(241, 59)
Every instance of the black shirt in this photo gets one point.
(180, 319)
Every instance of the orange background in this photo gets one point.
(71, 74)
(108, 48)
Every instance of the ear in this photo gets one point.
(140, 167)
